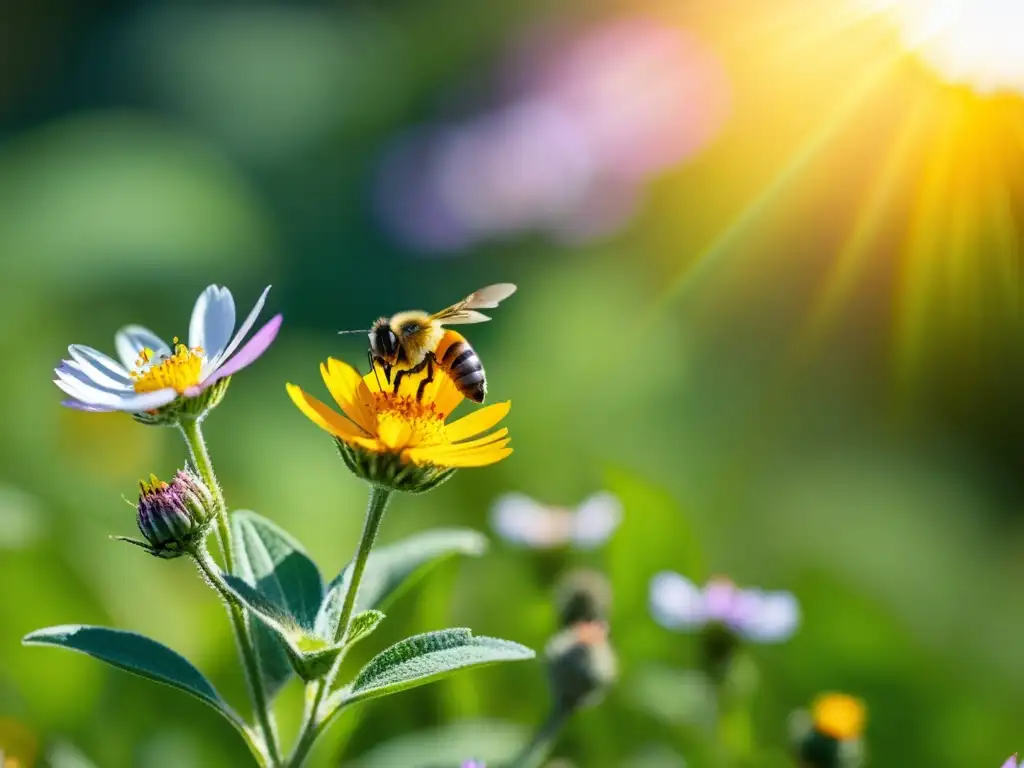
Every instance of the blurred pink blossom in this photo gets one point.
(583, 120)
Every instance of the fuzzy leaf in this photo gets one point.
(363, 624)
(394, 567)
(137, 654)
(424, 658)
(272, 562)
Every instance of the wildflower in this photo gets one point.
(761, 617)
(1012, 763)
(394, 440)
(158, 382)
(583, 595)
(173, 517)
(830, 736)
(520, 520)
(474, 764)
(581, 665)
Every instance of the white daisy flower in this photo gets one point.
(523, 521)
(761, 617)
(152, 373)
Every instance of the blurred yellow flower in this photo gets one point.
(18, 745)
(840, 716)
(393, 426)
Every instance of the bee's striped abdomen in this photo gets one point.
(465, 370)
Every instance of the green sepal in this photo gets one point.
(186, 407)
(422, 659)
(287, 586)
(393, 568)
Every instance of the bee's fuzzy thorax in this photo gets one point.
(419, 344)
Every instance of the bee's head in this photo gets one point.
(383, 341)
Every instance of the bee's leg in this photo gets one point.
(429, 362)
(409, 372)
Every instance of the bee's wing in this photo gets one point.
(596, 519)
(520, 520)
(486, 298)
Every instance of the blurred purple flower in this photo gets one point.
(586, 118)
(763, 617)
(1012, 763)
(523, 521)
(474, 764)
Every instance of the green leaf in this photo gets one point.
(270, 560)
(137, 654)
(362, 626)
(310, 655)
(392, 568)
(424, 658)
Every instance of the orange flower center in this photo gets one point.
(179, 370)
(425, 424)
(839, 716)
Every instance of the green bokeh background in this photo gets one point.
(148, 149)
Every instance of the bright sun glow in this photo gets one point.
(975, 42)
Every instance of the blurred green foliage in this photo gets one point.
(149, 150)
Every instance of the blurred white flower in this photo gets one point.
(520, 520)
(762, 617)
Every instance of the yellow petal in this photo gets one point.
(475, 458)
(321, 415)
(394, 434)
(478, 421)
(445, 396)
(444, 456)
(491, 437)
(350, 393)
(375, 381)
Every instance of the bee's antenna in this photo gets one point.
(362, 330)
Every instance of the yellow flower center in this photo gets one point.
(839, 716)
(396, 413)
(179, 370)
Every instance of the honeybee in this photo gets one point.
(414, 340)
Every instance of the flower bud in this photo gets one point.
(583, 595)
(173, 517)
(830, 736)
(581, 665)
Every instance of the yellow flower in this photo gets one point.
(391, 438)
(840, 716)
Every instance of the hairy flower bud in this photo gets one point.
(581, 665)
(583, 595)
(830, 735)
(173, 517)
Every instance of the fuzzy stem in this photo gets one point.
(313, 722)
(533, 754)
(193, 435)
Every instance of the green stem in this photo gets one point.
(533, 754)
(193, 435)
(313, 721)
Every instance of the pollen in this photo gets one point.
(425, 424)
(179, 370)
